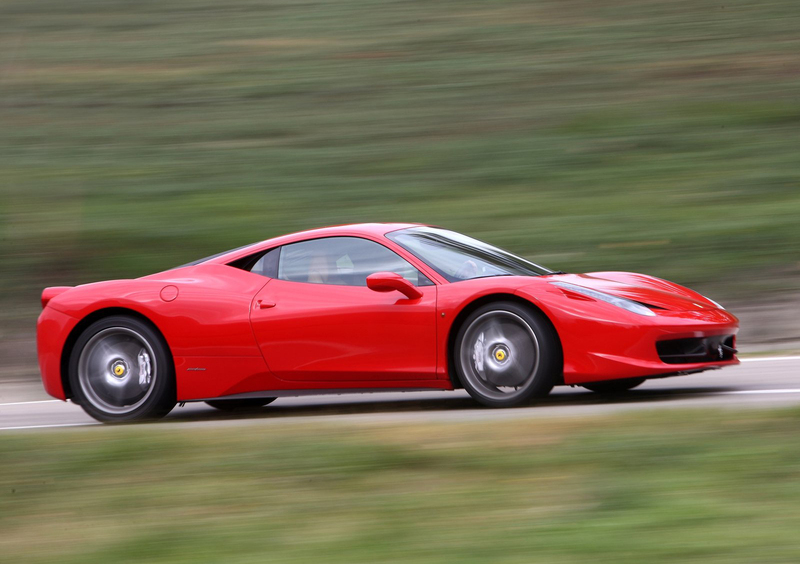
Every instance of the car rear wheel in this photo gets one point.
(614, 386)
(240, 404)
(507, 354)
(120, 370)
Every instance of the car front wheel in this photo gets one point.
(506, 354)
(120, 370)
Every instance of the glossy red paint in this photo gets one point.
(391, 282)
(322, 333)
(602, 342)
(233, 332)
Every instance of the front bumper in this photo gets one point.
(632, 351)
(600, 341)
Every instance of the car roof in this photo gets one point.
(369, 230)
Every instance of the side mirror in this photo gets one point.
(390, 281)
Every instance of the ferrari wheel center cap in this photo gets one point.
(500, 354)
(119, 369)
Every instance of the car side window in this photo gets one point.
(342, 261)
(267, 265)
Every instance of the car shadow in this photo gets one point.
(364, 404)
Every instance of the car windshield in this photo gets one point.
(458, 257)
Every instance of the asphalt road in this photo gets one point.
(756, 383)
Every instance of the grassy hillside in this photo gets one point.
(642, 135)
(711, 487)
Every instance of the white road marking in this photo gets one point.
(30, 402)
(48, 426)
(784, 391)
(769, 358)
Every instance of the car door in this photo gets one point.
(317, 321)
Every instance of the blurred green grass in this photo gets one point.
(650, 136)
(685, 486)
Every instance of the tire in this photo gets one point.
(120, 369)
(506, 354)
(614, 386)
(240, 404)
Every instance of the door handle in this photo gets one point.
(263, 304)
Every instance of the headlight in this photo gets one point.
(629, 305)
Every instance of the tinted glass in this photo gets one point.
(458, 257)
(267, 265)
(343, 261)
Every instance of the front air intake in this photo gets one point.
(718, 348)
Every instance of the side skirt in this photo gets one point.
(301, 393)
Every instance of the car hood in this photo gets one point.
(641, 288)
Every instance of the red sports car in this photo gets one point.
(367, 307)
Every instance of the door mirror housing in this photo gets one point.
(390, 281)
